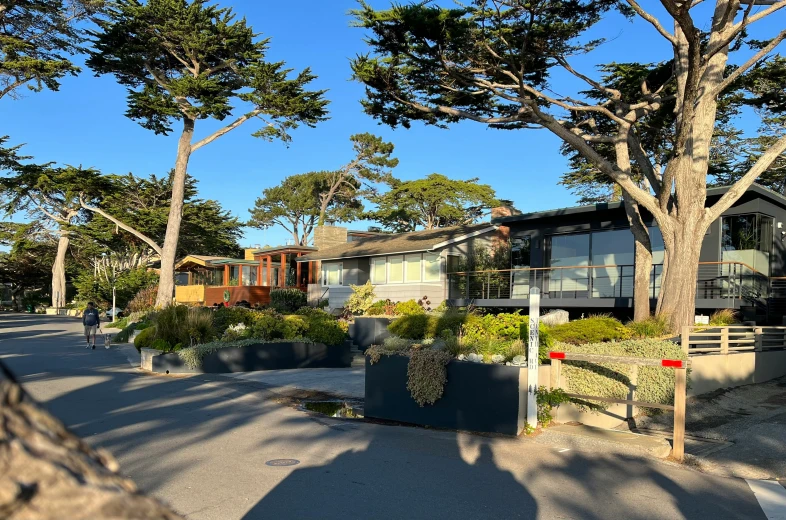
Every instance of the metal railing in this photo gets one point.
(714, 280)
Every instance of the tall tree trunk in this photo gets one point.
(58, 272)
(641, 281)
(166, 283)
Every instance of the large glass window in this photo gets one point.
(570, 253)
(234, 275)
(431, 263)
(379, 271)
(395, 269)
(520, 252)
(413, 268)
(249, 275)
(747, 239)
(612, 252)
(332, 273)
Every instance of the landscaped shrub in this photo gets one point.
(287, 300)
(504, 325)
(414, 326)
(163, 345)
(145, 338)
(187, 325)
(267, 326)
(594, 329)
(313, 311)
(144, 300)
(427, 374)
(361, 299)
(450, 319)
(654, 384)
(236, 332)
(294, 326)
(327, 332)
(409, 308)
(225, 317)
(377, 308)
(724, 317)
(123, 335)
(652, 327)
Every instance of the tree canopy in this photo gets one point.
(187, 61)
(490, 61)
(296, 204)
(37, 38)
(432, 202)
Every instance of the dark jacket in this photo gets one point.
(93, 313)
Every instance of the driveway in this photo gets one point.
(202, 443)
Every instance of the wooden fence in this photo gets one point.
(680, 387)
(737, 338)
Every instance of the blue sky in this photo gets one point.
(83, 123)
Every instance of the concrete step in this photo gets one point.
(584, 437)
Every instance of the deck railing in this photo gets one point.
(715, 280)
(736, 338)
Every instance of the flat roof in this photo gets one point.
(605, 206)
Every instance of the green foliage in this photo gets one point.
(654, 384)
(295, 326)
(503, 325)
(162, 344)
(225, 317)
(361, 298)
(313, 312)
(594, 329)
(124, 334)
(409, 308)
(450, 320)
(652, 327)
(36, 40)
(724, 317)
(267, 326)
(145, 338)
(427, 374)
(287, 300)
(548, 400)
(144, 300)
(392, 345)
(143, 204)
(187, 325)
(26, 267)
(144, 44)
(492, 258)
(436, 201)
(326, 331)
(127, 286)
(414, 326)
(295, 205)
(379, 308)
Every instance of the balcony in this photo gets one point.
(718, 285)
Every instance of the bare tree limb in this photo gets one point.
(147, 240)
(218, 133)
(739, 71)
(652, 20)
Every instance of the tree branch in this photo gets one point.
(218, 133)
(121, 225)
(739, 71)
(652, 20)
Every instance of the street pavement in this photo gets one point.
(201, 444)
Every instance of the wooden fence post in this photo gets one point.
(556, 373)
(758, 339)
(724, 346)
(685, 339)
(680, 389)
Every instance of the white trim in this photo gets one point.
(387, 272)
(463, 237)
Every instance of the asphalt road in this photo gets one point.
(201, 443)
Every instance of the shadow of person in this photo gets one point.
(402, 473)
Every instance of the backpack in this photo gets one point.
(91, 317)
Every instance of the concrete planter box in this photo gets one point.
(146, 358)
(477, 397)
(367, 331)
(262, 356)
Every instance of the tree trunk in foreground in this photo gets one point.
(48, 472)
(677, 301)
(166, 283)
(58, 273)
(641, 282)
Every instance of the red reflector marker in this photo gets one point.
(676, 363)
(556, 355)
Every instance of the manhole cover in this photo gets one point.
(282, 462)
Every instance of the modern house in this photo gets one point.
(204, 280)
(401, 266)
(582, 259)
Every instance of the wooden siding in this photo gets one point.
(253, 294)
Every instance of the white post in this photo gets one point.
(532, 356)
(114, 313)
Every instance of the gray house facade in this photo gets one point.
(401, 266)
(583, 258)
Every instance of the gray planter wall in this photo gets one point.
(477, 397)
(365, 332)
(263, 356)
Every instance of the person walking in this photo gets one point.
(91, 319)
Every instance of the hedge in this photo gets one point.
(654, 384)
(595, 329)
